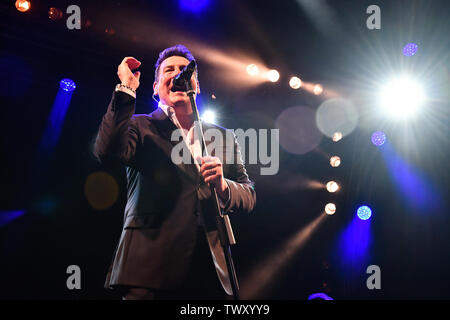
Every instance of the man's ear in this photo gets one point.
(198, 87)
(155, 88)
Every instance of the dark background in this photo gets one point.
(60, 228)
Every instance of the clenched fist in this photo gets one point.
(126, 76)
(212, 172)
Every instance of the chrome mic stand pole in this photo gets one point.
(222, 220)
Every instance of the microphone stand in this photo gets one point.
(222, 220)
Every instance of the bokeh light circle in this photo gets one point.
(298, 131)
(101, 190)
(55, 13)
(336, 115)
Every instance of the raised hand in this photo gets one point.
(125, 73)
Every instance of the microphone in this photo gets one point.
(181, 81)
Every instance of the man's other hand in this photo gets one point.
(211, 171)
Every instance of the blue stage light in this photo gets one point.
(364, 212)
(319, 296)
(67, 85)
(8, 216)
(378, 138)
(194, 5)
(410, 49)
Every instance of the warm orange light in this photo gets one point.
(252, 70)
(332, 186)
(23, 5)
(335, 161)
(273, 75)
(295, 82)
(317, 89)
(330, 208)
(337, 136)
(54, 13)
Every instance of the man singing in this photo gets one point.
(169, 247)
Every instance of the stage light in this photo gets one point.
(332, 186)
(56, 118)
(273, 75)
(67, 85)
(410, 49)
(337, 136)
(295, 83)
(319, 296)
(54, 13)
(317, 90)
(378, 138)
(364, 212)
(209, 116)
(8, 216)
(252, 70)
(335, 161)
(402, 97)
(194, 6)
(267, 272)
(23, 5)
(330, 208)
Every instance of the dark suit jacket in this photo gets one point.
(165, 200)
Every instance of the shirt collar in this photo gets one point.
(169, 111)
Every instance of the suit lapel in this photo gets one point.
(165, 128)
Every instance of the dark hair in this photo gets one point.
(176, 50)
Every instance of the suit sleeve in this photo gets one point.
(242, 192)
(118, 134)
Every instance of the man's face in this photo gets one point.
(168, 70)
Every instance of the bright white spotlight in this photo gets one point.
(295, 83)
(332, 186)
(209, 116)
(252, 70)
(402, 97)
(330, 208)
(273, 75)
